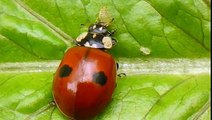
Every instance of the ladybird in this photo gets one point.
(86, 77)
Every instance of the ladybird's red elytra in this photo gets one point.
(84, 82)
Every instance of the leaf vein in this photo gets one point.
(168, 40)
(31, 94)
(180, 83)
(23, 48)
(66, 38)
(125, 23)
(177, 26)
(58, 9)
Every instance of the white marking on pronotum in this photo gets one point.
(81, 36)
(107, 41)
(100, 29)
(87, 44)
(94, 26)
(94, 35)
(129, 66)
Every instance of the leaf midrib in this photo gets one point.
(130, 66)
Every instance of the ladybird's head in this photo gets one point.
(98, 28)
(97, 36)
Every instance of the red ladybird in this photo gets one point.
(86, 78)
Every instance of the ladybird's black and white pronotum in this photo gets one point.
(97, 36)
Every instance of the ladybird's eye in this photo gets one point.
(94, 26)
(65, 71)
(100, 78)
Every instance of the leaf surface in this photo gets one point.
(163, 47)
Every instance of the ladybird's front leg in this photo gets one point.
(114, 41)
(111, 33)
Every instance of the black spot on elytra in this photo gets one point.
(100, 78)
(65, 71)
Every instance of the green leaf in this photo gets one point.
(45, 29)
(163, 47)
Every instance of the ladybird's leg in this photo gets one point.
(111, 33)
(51, 105)
(120, 74)
(114, 41)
